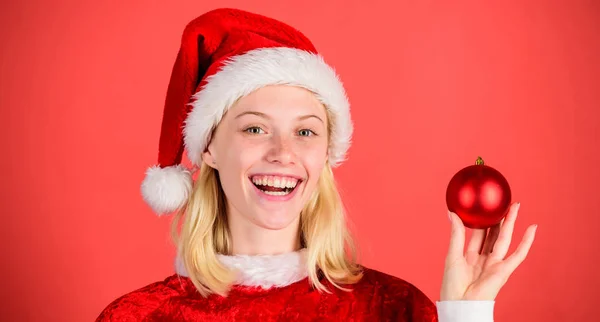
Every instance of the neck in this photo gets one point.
(260, 256)
(249, 239)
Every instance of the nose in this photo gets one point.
(281, 150)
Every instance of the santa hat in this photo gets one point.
(226, 54)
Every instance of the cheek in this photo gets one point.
(237, 155)
(232, 164)
(314, 159)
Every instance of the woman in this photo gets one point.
(261, 234)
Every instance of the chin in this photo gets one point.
(275, 221)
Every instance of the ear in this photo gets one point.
(209, 158)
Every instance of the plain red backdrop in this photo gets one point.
(433, 84)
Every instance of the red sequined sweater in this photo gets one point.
(276, 288)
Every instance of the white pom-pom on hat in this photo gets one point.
(167, 189)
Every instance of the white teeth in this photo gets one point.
(277, 193)
(281, 183)
(277, 182)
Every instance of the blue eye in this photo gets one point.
(254, 130)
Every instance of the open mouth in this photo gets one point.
(275, 185)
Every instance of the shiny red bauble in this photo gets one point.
(479, 195)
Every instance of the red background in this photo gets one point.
(433, 84)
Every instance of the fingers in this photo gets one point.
(491, 238)
(477, 240)
(505, 235)
(520, 254)
(457, 238)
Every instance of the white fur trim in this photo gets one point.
(265, 271)
(166, 189)
(248, 72)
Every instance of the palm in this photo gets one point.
(480, 272)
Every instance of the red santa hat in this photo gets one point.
(226, 54)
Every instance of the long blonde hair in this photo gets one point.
(204, 234)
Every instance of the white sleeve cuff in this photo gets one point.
(465, 311)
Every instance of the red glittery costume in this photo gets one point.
(224, 55)
(275, 288)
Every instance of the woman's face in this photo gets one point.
(269, 150)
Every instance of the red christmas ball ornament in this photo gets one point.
(479, 195)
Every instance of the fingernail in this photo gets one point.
(518, 205)
(449, 216)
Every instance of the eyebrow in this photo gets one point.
(263, 115)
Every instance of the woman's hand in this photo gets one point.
(481, 271)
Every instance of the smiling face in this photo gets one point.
(269, 150)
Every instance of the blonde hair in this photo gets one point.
(204, 234)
